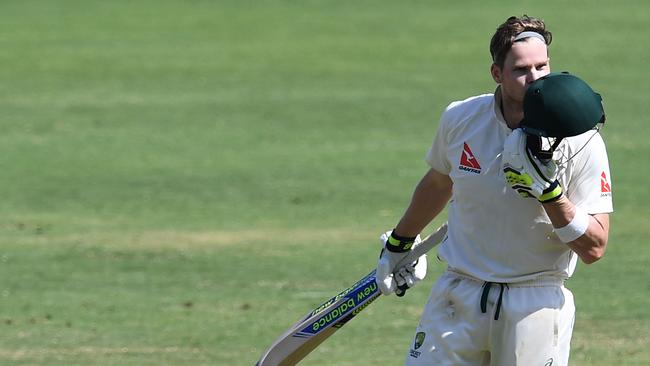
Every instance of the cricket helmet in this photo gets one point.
(561, 105)
(556, 106)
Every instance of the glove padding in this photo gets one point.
(525, 173)
(398, 280)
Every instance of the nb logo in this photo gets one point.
(549, 362)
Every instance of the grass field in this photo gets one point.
(181, 180)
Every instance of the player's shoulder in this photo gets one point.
(586, 143)
(469, 108)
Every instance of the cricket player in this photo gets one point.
(526, 176)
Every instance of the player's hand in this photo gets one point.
(525, 173)
(392, 279)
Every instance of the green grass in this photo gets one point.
(181, 180)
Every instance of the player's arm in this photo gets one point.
(589, 246)
(429, 198)
(585, 234)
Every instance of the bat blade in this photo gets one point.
(319, 324)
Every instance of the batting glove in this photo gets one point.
(525, 173)
(391, 279)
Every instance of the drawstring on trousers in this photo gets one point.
(486, 292)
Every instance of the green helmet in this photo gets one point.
(561, 105)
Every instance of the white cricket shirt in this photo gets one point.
(495, 234)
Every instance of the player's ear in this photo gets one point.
(495, 70)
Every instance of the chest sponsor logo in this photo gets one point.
(468, 161)
(605, 187)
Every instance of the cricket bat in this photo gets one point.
(309, 332)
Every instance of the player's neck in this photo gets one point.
(511, 111)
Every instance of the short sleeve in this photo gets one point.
(590, 185)
(437, 155)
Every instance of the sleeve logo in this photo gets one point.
(605, 187)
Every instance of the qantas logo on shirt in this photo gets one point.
(605, 187)
(468, 161)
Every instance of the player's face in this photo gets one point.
(526, 62)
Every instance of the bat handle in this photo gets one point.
(401, 290)
(425, 246)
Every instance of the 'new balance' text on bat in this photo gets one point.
(305, 335)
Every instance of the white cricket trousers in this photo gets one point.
(518, 324)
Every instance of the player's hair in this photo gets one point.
(505, 34)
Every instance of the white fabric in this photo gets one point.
(575, 229)
(534, 326)
(527, 178)
(389, 278)
(494, 234)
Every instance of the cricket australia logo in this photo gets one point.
(419, 340)
(468, 161)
